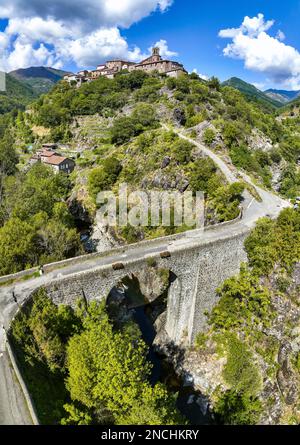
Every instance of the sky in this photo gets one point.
(257, 40)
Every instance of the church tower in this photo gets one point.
(155, 54)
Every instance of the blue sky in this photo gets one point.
(261, 50)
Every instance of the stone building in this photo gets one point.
(112, 67)
(156, 63)
(57, 162)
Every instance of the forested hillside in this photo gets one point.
(16, 96)
(248, 359)
(253, 94)
(40, 79)
(112, 128)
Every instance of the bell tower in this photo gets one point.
(155, 54)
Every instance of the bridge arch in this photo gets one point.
(148, 290)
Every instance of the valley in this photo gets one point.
(237, 351)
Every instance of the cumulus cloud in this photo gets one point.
(262, 52)
(280, 35)
(164, 49)
(202, 76)
(105, 43)
(259, 85)
(71, 31)
(90, 14)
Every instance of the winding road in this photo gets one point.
(13, 408)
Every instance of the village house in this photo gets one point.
(112, 67)
(50, 157)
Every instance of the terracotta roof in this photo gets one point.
(55, 160)
(122, 61)
(46, 153)
(159, 62)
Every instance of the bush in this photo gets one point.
(199, 174)
(104, 177)
(275, 242)
(122, 130)
(243, 303)
(181, 151)
(209, 136)
(235, 408)
(145, 116)
(240, 371)
(226, 201)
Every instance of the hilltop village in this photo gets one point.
(112, 67)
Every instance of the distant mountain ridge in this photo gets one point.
(283, 96)
(253, 93)
(25, 85)
(16, 96)
(40, 79)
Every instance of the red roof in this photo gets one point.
(46, 153)
(55, 160)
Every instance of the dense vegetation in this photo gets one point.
(87, 370)
(82, 370)
(253, 94)
(233, 120)
(244, 320)
(36, 225)
(16, 96)
(39, 78)
(127, 144)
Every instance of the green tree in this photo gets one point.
(209, 136)
(144, 115)
(226, 201)
(240, 371)
(244, 302)
(104, 177)
(182, 151)
(17, 247)
(234, 408)
(214, 83)
(8, 156)
(123, 129)
(39, 191)
(109, 367)
(199, 174)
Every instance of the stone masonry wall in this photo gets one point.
(197, 271)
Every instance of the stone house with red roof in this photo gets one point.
(57, 162)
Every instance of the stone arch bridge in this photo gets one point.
(200, 259)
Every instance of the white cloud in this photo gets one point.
(202, 76)
(105, 43)
(280, 35)
(250, 26)
(229, 33)
(164, 50)
(259, 85)
(263, 53)
(89, 14)
(66, 31)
